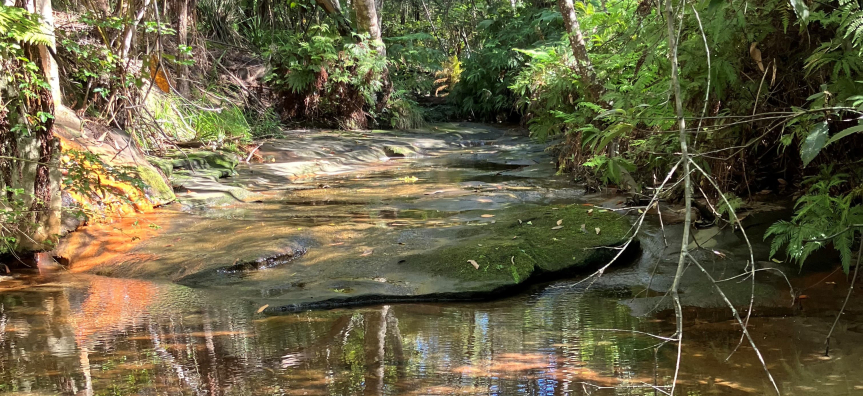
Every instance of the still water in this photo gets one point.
(88, 335)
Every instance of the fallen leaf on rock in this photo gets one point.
(559, 222)
(487, 215)
(261, 309)
(474, 263)
(597, 230)
(556, 228)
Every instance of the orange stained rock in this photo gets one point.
(117, 197)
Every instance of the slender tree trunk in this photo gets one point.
(687, 183)
(579, 49)
(367, 22)
(132, 28)
(434, 29)
(182, 38)
(49, 64)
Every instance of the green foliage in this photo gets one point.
(406, 114)
(484, 88)
(16, 215)
(324, 76)
(18, 25)
(822, 218)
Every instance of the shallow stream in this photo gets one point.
(72, 332)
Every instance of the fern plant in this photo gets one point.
(821, 219)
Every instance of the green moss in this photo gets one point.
(224, 163)
(398, 151)
(166, 166)
(159, 190)
(522, 241)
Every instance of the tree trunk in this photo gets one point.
(367, 22)
(334, 8)
(129, 33)
(49, 64)
(579, 49)
(182, 38)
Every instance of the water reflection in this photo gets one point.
(100, 336)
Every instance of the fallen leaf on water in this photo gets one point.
(559, 222)
(474, 263)
(597, 230)
(261, 309)
(556, 228)
(487, 215)
(367, 252)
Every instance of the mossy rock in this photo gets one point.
(223, 163)
(394, 151)
(166, 166)
(525, 243)
(158, 189)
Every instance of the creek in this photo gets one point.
(185, 300)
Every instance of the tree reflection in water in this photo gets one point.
(100, 336)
